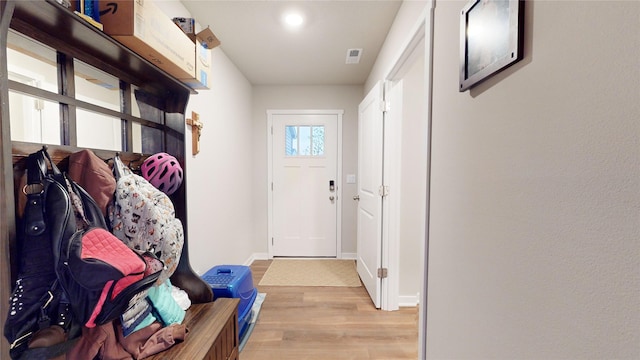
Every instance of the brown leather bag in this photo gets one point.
(94, 175)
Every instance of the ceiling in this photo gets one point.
(254, 38)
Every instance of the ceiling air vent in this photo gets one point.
(353, 56)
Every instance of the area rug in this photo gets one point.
(325, 272)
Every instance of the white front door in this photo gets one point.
(369, 242)
(304, 190)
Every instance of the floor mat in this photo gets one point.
(325, 272)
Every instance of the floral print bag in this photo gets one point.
(143, 217)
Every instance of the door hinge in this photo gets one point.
(382, 273)
(271, 241)
(383, 190)
(271, 130)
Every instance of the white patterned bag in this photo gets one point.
(143, 217)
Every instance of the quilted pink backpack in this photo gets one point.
(98, 268)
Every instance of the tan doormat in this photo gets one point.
(329, 272)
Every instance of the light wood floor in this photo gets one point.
(327, 323)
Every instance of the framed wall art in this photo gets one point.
(491, 33)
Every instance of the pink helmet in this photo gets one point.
(163, 171)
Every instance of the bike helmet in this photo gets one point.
(162, 171)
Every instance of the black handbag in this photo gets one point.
(37, 301)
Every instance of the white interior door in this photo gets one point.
(304, 185)
(370, 152)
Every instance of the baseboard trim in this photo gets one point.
(256, 256)
(408, 301)
(265, 256)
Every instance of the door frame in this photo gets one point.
(418, 39)
(421, 34)
(270, 114)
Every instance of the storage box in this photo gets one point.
(208, 39)
(202, 79)
(144, 28)
(234, 281)
(205, 40)
(188, 25)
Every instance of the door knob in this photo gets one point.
(331, 198)
(356, 198)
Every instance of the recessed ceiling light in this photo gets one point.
(293, 20)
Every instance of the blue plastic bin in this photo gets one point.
(234, 281)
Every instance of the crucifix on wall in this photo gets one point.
(196, 129)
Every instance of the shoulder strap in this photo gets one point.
(36, 167)
(72, 330)
(34, 223)
(53, 166)
(119, 168)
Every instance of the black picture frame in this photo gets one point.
(491, 33)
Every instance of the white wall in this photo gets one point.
(305, 97)
(219, 178)
(535, 198)
(220, 194)
(403, 24)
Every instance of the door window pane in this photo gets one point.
(318, 140)
(304, 140)
(291, 140)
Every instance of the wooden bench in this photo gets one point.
(213, 333)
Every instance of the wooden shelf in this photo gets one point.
(59, 28)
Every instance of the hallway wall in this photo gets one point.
(402, 27)
(220, 196)
(219, 178)
(535, 197)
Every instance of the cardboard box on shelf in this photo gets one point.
(208, 39)
(205, 40)
(188, 25)
(144, 28)
(202, 78)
